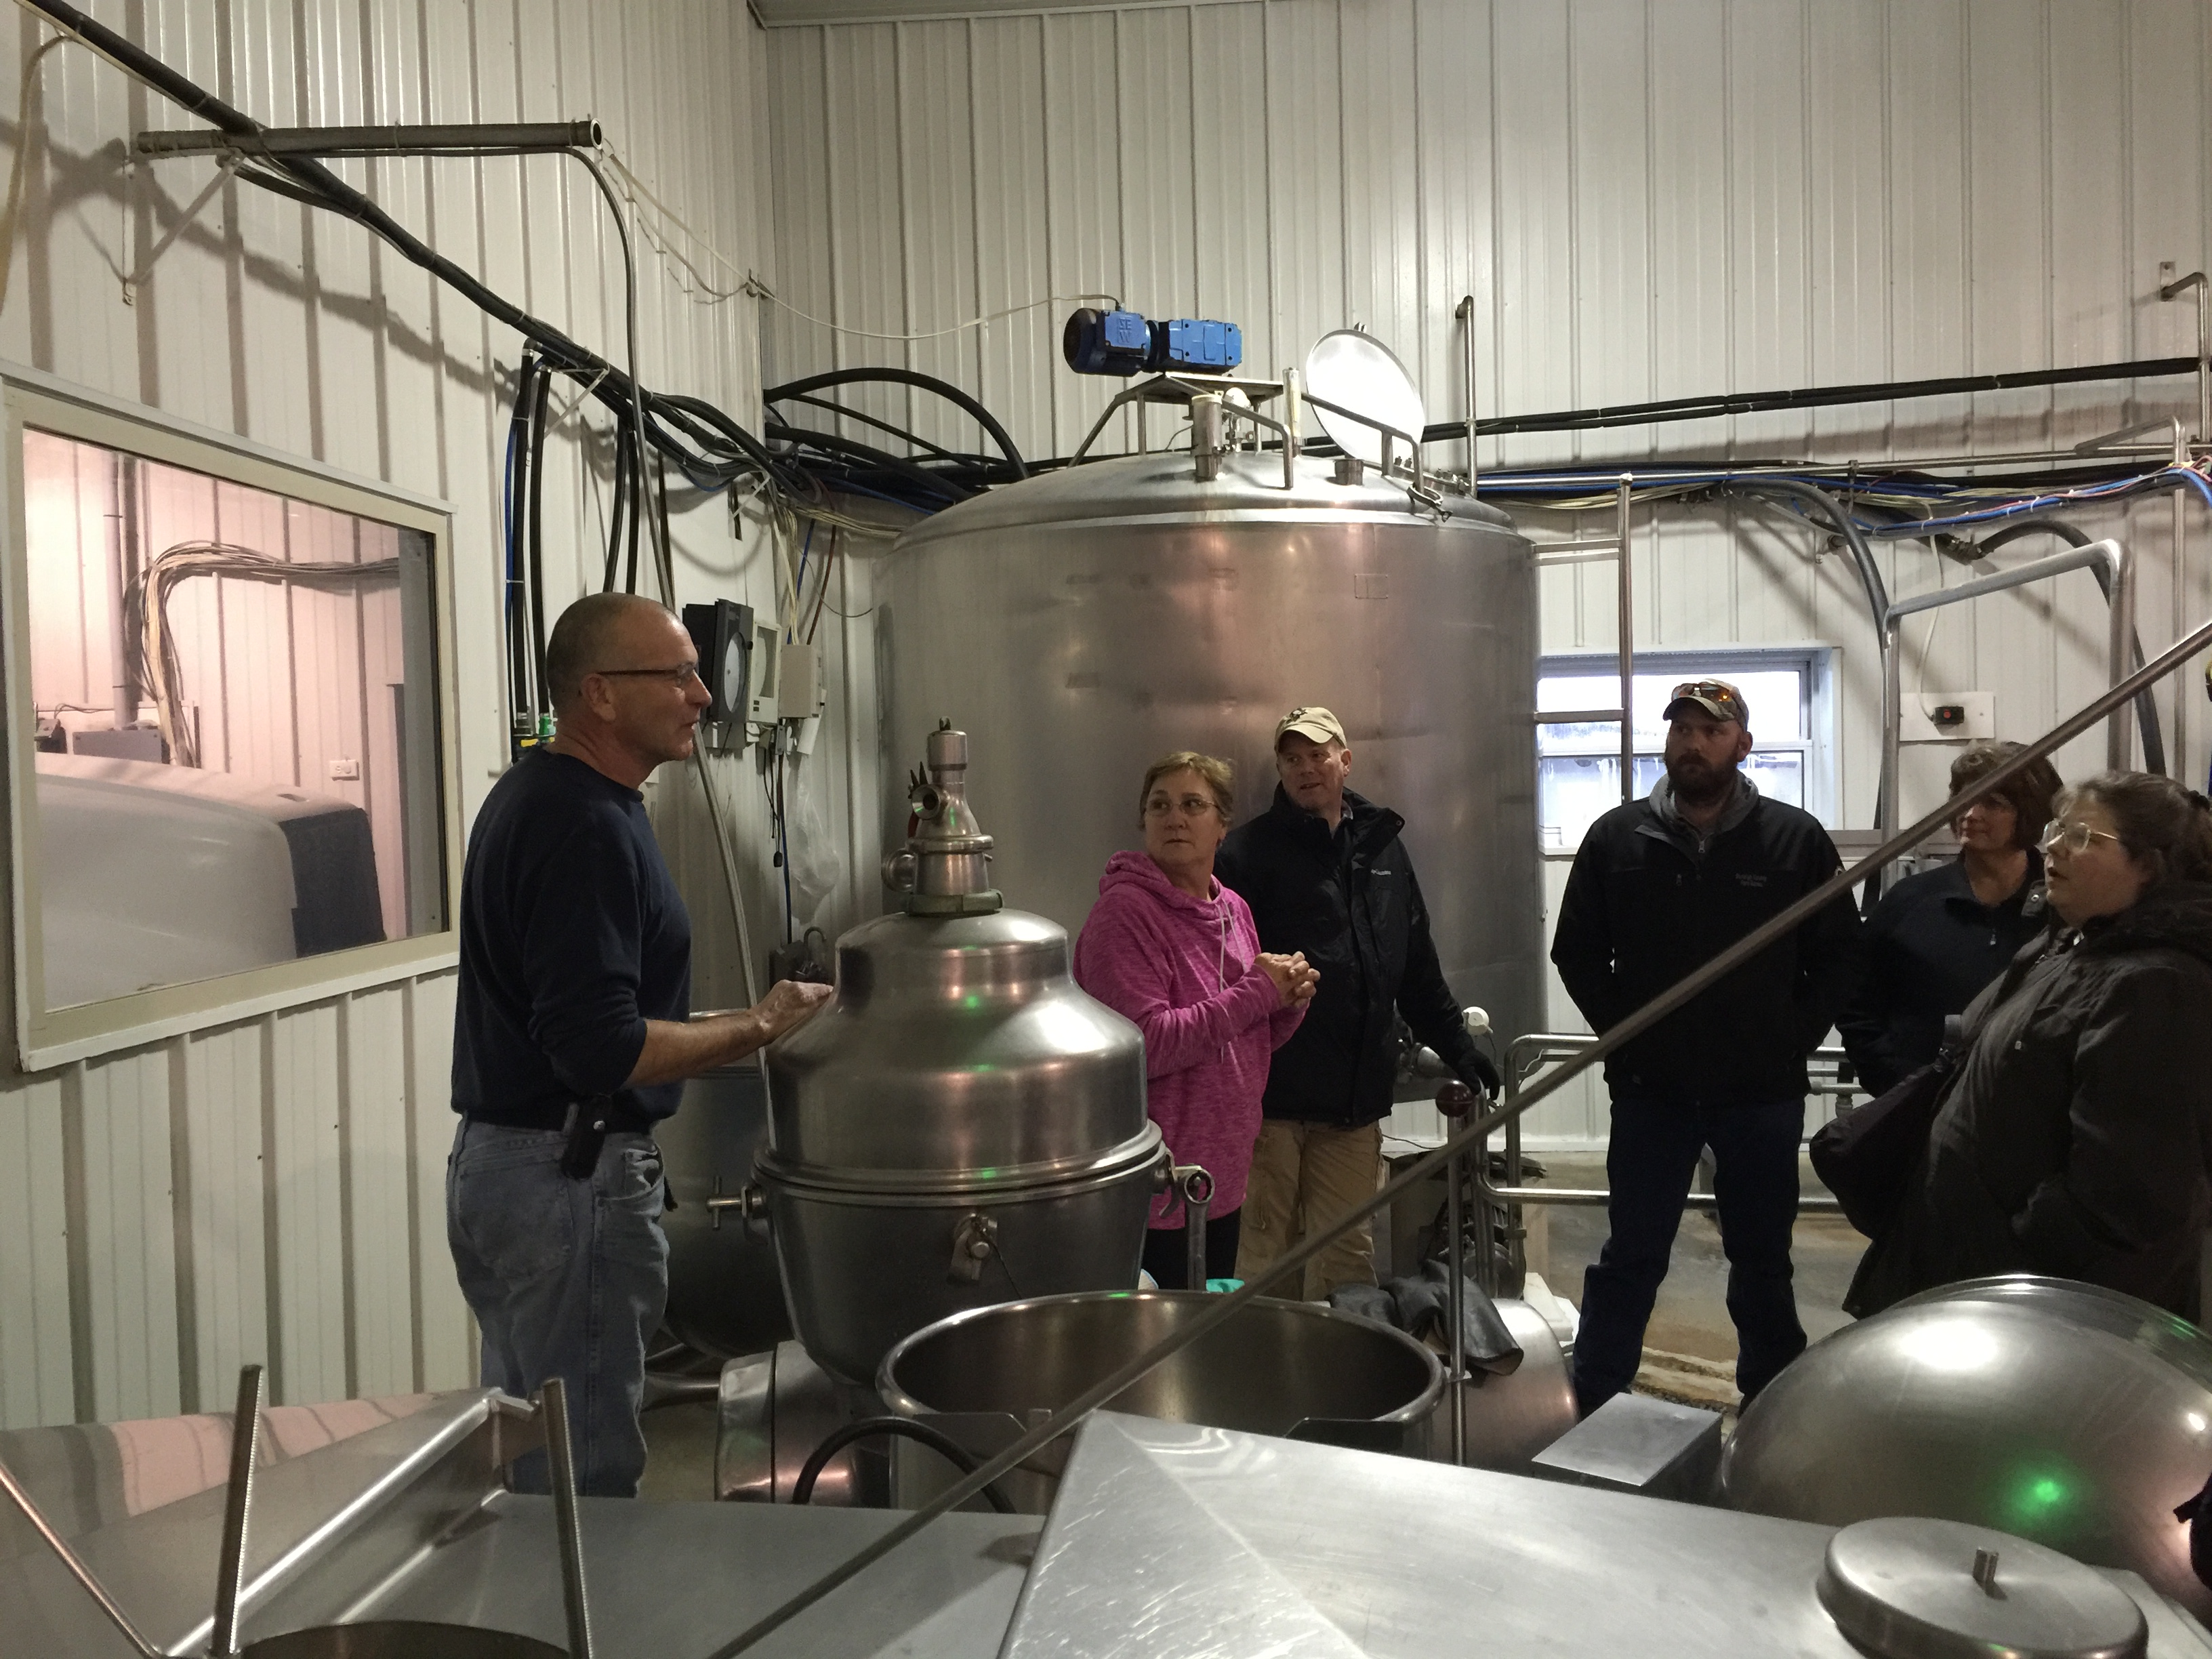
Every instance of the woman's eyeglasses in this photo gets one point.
(2073, 837)
(1190, 807)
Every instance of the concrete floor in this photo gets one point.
(679, 1453)
(1691, 1318)
(1691, 1344)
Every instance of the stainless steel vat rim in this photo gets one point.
(905, 1405)
(839, 1184)
(1910, 1588)
(1158, 489)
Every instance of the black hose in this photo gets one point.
(521, 659)
(537, 507)
(615, 512)
(944, 389)
(636, 519)
(2146, 721)
(1752, 403)
(306, 178)
(802, 1490)
(936, 451)
(829, 443)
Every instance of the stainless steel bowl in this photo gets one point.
(401, 1638)
(2072, 1416)
(1273, 1366)
(863, 1268)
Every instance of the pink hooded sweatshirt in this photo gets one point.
(1182, 969)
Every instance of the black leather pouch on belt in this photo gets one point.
(587, 1135)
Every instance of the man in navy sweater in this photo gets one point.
(573, 1035)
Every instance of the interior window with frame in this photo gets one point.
(227, 719)
(1789, 688)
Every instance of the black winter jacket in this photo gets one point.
(1349, 901)
(2076, 1139)
(1644, 907)
(1931, 947)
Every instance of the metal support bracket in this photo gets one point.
(224, 169)
(466, 138)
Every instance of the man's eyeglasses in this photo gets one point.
(682, 674)
(2073, 837)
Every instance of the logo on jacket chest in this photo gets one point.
(1751, 878)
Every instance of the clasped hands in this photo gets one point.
(1296, 979)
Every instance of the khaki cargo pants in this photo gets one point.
(1305, 1175)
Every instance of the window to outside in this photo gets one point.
(232, 702)
(1579, 764)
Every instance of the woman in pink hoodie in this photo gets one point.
(1171, 948)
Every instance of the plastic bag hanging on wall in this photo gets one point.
(817, 867)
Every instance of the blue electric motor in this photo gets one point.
(1122, 343)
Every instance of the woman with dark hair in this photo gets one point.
(1937, 939)
(1171, 948)
(2076, 1139)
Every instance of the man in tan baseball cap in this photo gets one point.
(1325, 874)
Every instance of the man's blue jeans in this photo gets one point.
(1649, 1164)
(567, 1279)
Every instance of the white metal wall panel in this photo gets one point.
(1648, 200)
(123, 1110)
(444, 1337)
(274, 1189)
(225, 1251)
(37, 1380)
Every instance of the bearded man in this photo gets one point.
(1659, 887)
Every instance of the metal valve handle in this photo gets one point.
(1194, 1184)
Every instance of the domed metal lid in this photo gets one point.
(955, 1044)
(1158, 489)
(1914, 1589)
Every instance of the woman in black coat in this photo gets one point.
(2076, 1139)
(1937, 939)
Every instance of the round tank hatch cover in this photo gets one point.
(1354, 369)
(1913, 1588)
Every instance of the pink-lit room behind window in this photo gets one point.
(221, 666)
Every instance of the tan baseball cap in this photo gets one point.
(1716, 697)
(1312, 722)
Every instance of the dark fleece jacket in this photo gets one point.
(2076, 1139)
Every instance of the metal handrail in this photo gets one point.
(1220, 1309)
(1524, 1056)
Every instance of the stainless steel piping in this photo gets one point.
(561, 1460)
(2175, 290)
(77, 1569)
(2119, 632)
(1624, 598)
(475, 138)
(1222, 1308)
(1465, 314)
(237, 1506)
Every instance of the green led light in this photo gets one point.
(2046, 1491)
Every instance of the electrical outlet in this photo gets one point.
(1946, 717)
(345, 771)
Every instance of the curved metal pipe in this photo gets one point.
(2146, 721)
(1877, 591)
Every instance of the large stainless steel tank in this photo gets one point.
(1086, 622)
(2075, 1417)
(963, 1125)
